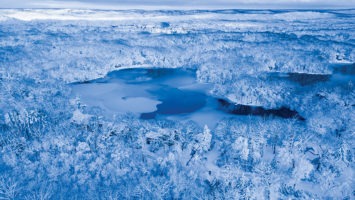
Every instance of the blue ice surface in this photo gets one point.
(176, 89)
(175, 101)
(179, 93)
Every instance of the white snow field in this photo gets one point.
(177, 104)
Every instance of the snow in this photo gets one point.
(241, 145)
(79, 117)
(116, 98)
(99, 15)
(67, 121)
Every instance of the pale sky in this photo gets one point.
(176, 4)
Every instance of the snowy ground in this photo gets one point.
(56, 144)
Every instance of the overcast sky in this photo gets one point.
(176, 4)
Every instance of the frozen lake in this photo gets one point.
(148, 93)
(152, 93)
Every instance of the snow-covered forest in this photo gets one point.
(55, 144)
